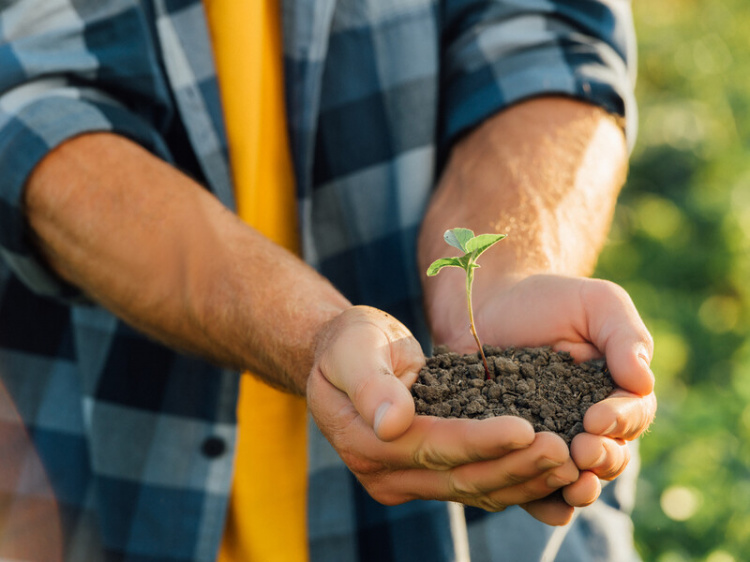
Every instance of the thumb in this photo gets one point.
(620, 333)
(373, 359)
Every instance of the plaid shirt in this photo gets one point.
(137, 441)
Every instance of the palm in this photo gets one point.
(537, 311)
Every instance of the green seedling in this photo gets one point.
(472, 247)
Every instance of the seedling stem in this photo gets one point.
(472, 247)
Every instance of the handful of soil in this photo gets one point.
(543, 386)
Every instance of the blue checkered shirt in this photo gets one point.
(137, 440)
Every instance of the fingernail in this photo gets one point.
(380, 414)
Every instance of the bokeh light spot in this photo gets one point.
(719, 313)
(671, 352)
(680, 503)
(720, 556)
(659, 218)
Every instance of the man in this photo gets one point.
(110, 124)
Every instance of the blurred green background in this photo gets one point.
(681, 246)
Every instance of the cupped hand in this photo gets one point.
(358, 394)
(590, 318)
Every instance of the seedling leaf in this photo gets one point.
(458, 237)
(439, 264)
(479, 244)
(472, 247)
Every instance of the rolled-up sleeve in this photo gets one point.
(496, 54)
(59, 78)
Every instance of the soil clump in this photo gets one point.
(543, 386)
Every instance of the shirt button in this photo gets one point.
(213, 447)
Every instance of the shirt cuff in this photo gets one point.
(486, 74)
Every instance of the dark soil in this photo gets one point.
(543, 386)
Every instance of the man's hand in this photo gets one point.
(589, 318)
(546, 172)
(358, 393)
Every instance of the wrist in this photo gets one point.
(270, 327)
(545, 172)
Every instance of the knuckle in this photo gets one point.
(359, 465)
(489, 504)
(599, 292)
(382, 494)
(615, 290)
(511, 479)
(604, 289)
(630, 426)
(648, 340)
(426, 457)
(612, 473)
(619, 461)
(620, 467)
(460, 487)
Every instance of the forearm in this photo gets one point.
(162, 253)
(547, 172)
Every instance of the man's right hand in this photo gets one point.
(358, 393)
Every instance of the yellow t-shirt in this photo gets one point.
(267, 514)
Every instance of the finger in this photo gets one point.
(373, 358)
(548, 455)
(552, 510)
(417, 464)
(617, 329)
(522, 493)
(518, 477)
(623, 415)
(605, 457)
(584, 491)
(442, 444)
(628, 363)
